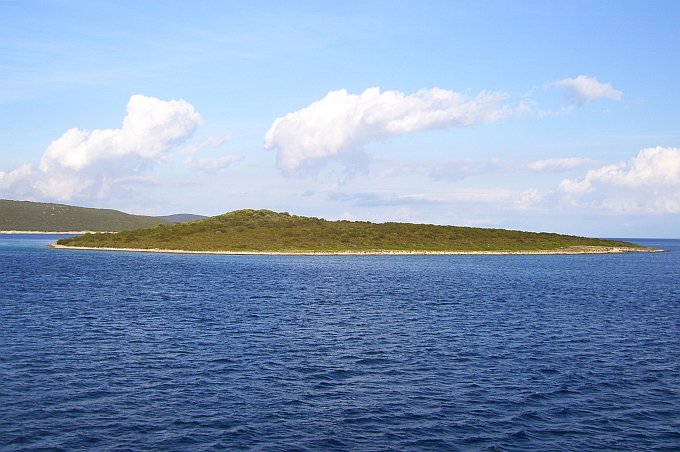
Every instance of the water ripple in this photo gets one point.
(182, 352)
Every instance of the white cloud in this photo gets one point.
(456, 170)
(84, 163)
(340, 124)
(150, 128)
(210, 165)
(502, 198)
(460, 169)
(560, 164)
(8, 180)
(450, 170)
(16, 183)
(209, 143)
(648, 183)
(214, 165)
(583, 89)
(529, 199)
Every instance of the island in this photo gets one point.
(268, 232)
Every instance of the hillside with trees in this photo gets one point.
(39, 216)
(267, 231)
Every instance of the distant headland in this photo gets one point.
(28, 217)
(267, 232)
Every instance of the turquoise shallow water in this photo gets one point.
(133, 351)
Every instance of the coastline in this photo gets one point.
(574, 250)
(48, 232)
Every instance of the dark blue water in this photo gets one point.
(186, 352)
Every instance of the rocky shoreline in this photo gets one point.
(572, 250)
(48, 232)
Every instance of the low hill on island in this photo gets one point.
(267, 231)
(39, 216)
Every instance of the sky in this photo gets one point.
(533, 115)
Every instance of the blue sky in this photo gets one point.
(557, 116)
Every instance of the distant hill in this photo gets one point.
(181, 218)
(267, 231)
(38, 216)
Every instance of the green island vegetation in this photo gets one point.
(267, 231)
(39, 216)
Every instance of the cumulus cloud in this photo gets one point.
(150, 128)
(21, 173)
(583, 89)
(647, 183)
(90, 162)
(560, 164)
(15, 183)
(340, 124)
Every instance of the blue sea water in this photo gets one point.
(135, 351)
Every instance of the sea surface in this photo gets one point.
(136, 351)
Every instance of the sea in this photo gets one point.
(134, 351)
